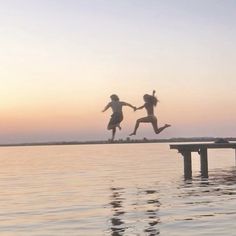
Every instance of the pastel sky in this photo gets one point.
(60, 60)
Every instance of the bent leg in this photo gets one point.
(155, 126)
(159, 130)
(135, 128)
(141, 120)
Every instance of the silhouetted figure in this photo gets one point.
(117, 115)
(150, 103)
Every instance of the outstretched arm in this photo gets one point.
(129, 105)
(139, 108)
(106, 107)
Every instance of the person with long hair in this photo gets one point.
(117, 116)
(150, 102)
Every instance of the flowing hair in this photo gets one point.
(154, 98)
(151, 99)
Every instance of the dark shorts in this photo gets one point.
(116, 118)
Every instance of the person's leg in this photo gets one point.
(113, 134)
(135, 128)
(154, 125)
(159, 130)
(119, 127)
(141, 120)
(119, 121)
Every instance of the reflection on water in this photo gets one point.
(118, 226)
(152, 213)
(146, 204)
(207, 198)
(221, 182)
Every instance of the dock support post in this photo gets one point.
(235, 155)
(187, 164)
(204, 162)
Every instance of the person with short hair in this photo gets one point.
(117, 115)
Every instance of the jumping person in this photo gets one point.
(150, 103)
(117, 116)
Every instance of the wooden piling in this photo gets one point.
(201, 148)
(187, 164)
(203, 162)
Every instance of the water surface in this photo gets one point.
(117, 189)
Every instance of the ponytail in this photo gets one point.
(154, 98)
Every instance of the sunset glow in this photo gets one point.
(61, 60)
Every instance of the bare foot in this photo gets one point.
(162, 128)
(110, 140)
(132, 134)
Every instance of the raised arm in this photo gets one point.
(106, 107)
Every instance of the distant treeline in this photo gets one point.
(127, 140)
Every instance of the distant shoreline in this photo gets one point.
(120, 141)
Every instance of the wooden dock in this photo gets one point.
(201, 149)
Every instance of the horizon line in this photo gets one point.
(119, 141)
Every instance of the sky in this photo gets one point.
(60, 60)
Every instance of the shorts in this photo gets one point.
(116, 118)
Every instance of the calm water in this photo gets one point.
(117, 189)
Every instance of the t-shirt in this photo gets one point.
(116, 106)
